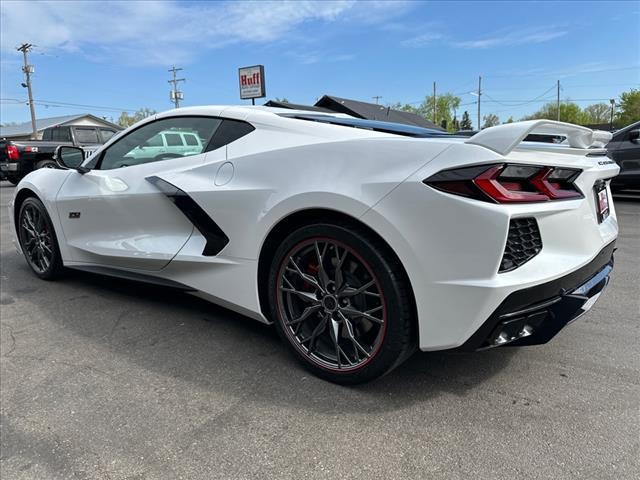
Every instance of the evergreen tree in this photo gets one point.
(465, 123)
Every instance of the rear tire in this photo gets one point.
(38, 240)
(341, 302)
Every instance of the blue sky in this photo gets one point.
(115, 55)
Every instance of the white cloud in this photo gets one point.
(499, 39)
(166, 32)
(514, 37)
(422, 40)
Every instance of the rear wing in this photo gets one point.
(504, 138)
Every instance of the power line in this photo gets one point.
(54, 103)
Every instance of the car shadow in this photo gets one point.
(177, 335)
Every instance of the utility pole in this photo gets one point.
(435, 105)
(558, 100)
(376, 98)
(479, 94)
(28, 70)
(175, 94)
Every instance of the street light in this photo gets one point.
(612, 101)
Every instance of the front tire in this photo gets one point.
(341, 302)
(38, 240)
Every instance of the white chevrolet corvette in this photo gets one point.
(360, 240)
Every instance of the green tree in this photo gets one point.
(465, 123)
(509, 120)
(569, 112)
(490, 120)
(629, 108)
(598, 113)
(125, 120)
(446, 105)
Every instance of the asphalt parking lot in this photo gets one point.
(107, 379)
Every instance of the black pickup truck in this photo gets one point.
(17, 158)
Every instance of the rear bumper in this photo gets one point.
(534, 315)
(9, 168)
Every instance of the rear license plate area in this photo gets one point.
(602, 201)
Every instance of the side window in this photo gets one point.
(173, 140)
(61, 134)
(86, 136)
(229, 131)
(106, 134)
(46, 135)
(144, 144)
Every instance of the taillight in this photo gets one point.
(508, 183)
(12, 153)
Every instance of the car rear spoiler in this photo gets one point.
(504, 138)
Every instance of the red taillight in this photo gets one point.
(508, 183)
(12, 153)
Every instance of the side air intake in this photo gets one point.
(216, 238)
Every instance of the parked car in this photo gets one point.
(17, 158)
(624, 149)
(164, 145)
(360, 240)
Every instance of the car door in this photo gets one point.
(114, 215)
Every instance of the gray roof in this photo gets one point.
(296, 106)
(42, 123)
(372, 111)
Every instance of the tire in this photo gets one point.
(46, 164)
(14, 180)
(38, 240)
(349, 327)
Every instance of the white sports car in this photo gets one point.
(359, 240)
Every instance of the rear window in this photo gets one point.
(173, 139)
(191, 140)
(86, 135)
(375, 125)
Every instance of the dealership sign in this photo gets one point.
(252, 82)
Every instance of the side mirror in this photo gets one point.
(634, 135)
(70, 158)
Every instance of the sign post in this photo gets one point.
(251, 81)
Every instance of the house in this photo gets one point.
(355, 108)
(23, 131)
(295, 106)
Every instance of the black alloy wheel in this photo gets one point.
(341, 302)
(38, 239)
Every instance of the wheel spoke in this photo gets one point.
(316, 332)
(338, 278)
(307, 278)
(27, 228)
(350, 291)
(322, 273)
(358, 313)
(305, 314)
(333, 331)
(305, 296)
(352, 337)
